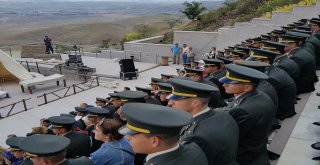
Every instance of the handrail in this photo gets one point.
(73, 87)
(25, 108)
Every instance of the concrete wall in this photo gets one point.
(201, 42)
(148, 52)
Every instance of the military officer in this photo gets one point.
(281, 81)
(165, 89)
(304, 60)
(18, 154)
(115, 100)
(215, 132)
(50, 149)
(214, 72)
(253, 110)
(315, 27)
(196, 64)
(309, 43)
(79, 142)
(236, 55)
(154, 130)
(149, 98)
(102, 103)
(283, 61)
(264, 85)
(154, 87)
(197, 75)
(81, 113)
(165, 77)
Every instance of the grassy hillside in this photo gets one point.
(238, 11)
(86, 32)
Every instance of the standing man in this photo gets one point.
(176, 50)
(252, 110)
(184, 53)
(47, 41)
(154, 130)
(215, 132)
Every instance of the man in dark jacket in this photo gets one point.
(154, 130)
(281, 81)
(305, 61)
(79, 142)
(252, 110)
(215, 132)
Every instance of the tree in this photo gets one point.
(193, 10)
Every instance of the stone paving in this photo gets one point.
(22, 123)
(296, 152)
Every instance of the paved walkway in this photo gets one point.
(297, 150)
(22, 123)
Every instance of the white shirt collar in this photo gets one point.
(201, 112)
(161, 152)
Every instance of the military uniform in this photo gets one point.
(283, 84)
(254, 112)
(209, 129)
(289, 66)
(154, 81)
(156, 119)
(79, 124)
(43, 146)
(313, 40)
(214, 77)
(149, 98)
(185, 154)
(306, 63)
(215, 99)
(79, 142)
(264, 85)
(286, 90)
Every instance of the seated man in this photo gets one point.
(155, 129)
(253, 110)
(50, 149)
(79, 142)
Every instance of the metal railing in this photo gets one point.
(68, 91)
(13, 105)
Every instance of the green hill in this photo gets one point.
(238, 11)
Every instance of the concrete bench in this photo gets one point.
(28, 84)
(4, 93)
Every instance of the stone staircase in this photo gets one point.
(228, 36)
